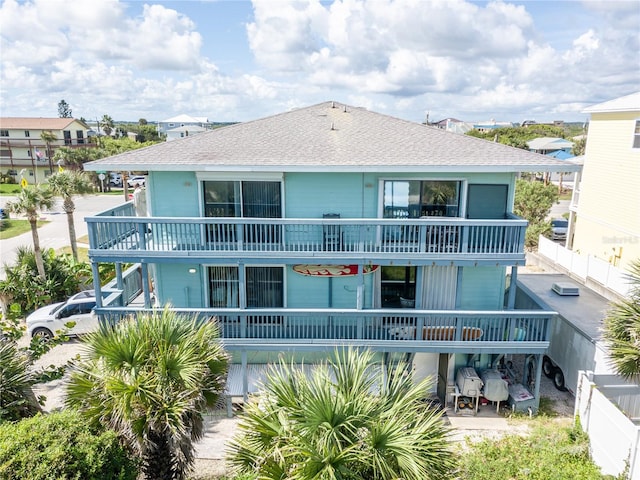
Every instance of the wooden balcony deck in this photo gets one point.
(118, 233)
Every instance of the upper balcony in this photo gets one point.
(117, 234)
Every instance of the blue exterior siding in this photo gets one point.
(175, 194)
(482, 288)
(175, 285)
(312, 195)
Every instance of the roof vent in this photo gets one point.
(565, 289)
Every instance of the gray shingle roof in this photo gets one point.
(330, 137)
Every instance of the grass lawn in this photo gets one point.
(9, 188)
(83, 255)
(11, 227)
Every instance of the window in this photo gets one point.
(80, 137)
(398, 286)
(421, 198)
(636, 135)
(4, 133)
(27, 133)
(67, 137)
(223, 287)
(264, 287)
(242, 199)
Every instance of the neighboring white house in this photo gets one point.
(545, 145)
(183, 121)
(184, 131)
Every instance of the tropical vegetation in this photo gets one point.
(29, 202)
(17, 369)
(16, 397)
(23, 287)
(348, 420)
(62, 446)
(66, 184)
(622, 328)
(533, 201)
(150, 378)
(48, 137)
(519, 136)
(548, 451)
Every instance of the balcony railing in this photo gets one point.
(119, 230)
(385, 329)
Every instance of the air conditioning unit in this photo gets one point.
(565, 289)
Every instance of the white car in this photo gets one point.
(46, 321)
(136, 180)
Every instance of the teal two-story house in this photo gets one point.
(329, 226)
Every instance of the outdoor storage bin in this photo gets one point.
(468, 382)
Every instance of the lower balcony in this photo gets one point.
(404, 330)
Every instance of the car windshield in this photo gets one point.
(559, 223)
(55, 310)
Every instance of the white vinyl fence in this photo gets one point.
(585, 266)
(609, 410)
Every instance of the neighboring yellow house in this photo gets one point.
(22, 148)
(607, 200)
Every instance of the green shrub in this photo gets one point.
(549, 451)
(61, 446)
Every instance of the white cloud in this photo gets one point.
(402, 57)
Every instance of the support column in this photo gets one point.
(145, 285)
(511, 300)
(245, 379)
(96, 283)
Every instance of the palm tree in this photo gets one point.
(16, 378)
(344, 421)
(48, 137)
(107, 124)
(29, 201)
(66, 184)
(622, 329)
(150, 379)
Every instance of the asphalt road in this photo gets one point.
(55, 234)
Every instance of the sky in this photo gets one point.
(235, 61)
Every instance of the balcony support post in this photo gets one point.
(96, 283)
(145, 284)
(245, 377)
(511, 300)
(119, 279)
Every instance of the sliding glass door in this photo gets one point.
(421, 198)
(264, 287)
(230, 198)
